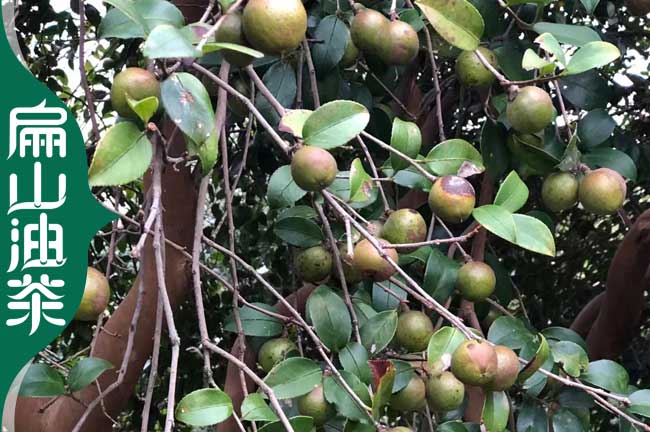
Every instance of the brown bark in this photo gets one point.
(587, 316)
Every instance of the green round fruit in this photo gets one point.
(314, 264)
(531, 110)
(638, 8)
(400, 429)
(476, 281)
(470, 70)
(414, 329)
(444, 392)
(405, 226)
(351, 274)
(274, 26)
(133, 83)
(602, 191)
(410, 398)
(370, 264)
(401, 44)
(350, 55)
(313, 169)
(452, 199)
(274, 351)
(314, 405)
(474, 363)
(507, 369)
(231, 31)
(94, 300)
(368, 30)
(560, 191)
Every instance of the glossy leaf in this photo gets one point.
(549, 44)
(204, 408)
(513, 193)
(330, 317)
(595, 128)
(118, 24)
(334, 35)
(86, 371)
(145, 108)
(458, 22)
(404, 372)
(218, 46)
(255, 408)
(592, 55)
(497, 220)
(495, 153)
(640, 403)
(510, 332)
(166, 41)
(41, 381)
(256, 323)
(345, 405)
(576, 35)
(440, 275)
(128, 8)
(293, 121)
(298, 423)
(335, 123)
(383, 391)
(378, 331)
(561, 334)
(496, 410)
(282, 190)
(534, 235)
(541, 355)
(608, 375)
(280, 79)
(611, 158)
(294, 377)
(362, 188)
(566, 421)
(406, 138)
(298, 231)
(354, 359)
(443, 343)
(532, 417)
(383, 300)
(447, 157)
(571, 357)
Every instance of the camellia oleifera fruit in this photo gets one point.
(404, 226)
(410, 398)
(274, 351)
(368, 30)
(452, 199)
(231, 31)
(274, 26)
(414, 329)
(531, 110)
(95, 298)
(602, 191)
(400, 429)
(371, 264)
(401, 44)
(314, 264)
(474, 363)
(507, 369)
(351, 274)
(560, 191)
(133, 83)
(314, 405)
(444, 392)
(470, 70)
(313, 169)
(350, 55)
(476, 281)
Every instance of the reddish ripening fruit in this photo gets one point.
(470, 70)
(314, 405)
(452, 199)
(314, 264)
(474, 363)
(232, 31)
(444, 392)
(507, 369)
(405, 226)
(410, 398)
(368, 30)
(95, 298)
(476, 281)
(602, 191)
(401, 44)
(274, 351)
(351, 274)
(531, 110)
(313, 169)
(560, 191)
(371, 264)
(274, 26)
(414, 329)
(133, 83)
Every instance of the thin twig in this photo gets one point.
(82, 71)
(312, 74)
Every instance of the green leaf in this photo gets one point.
(334, 35)
(595, 128)
(440, 275)
(188, 105)
(496, 411)
(301, 211)
(532, 417)
(330, 317)
(587, 91)
(611, 158)
(497, 220)
(608, 375)
(406, 138)
(494, 150)
(128, 9)
(513, 193)
(293, 121)
(218, 46)
(354, 359)
(378, 331)
(549, 44)
(532, 61)
(298, 231)
(362, 188)
(452, 426)
(280, 79)
(298, 423)
(384, 391)
(510, 332)
(457, 22)
(144, 108)
(208, 152)
(383, 300)
(443, 343)
(566, 421)
(640, 403)
(294, 377)
(404, 372)
(541, 355)
(561, 334)
(86, 371)
(335, 123)
(122, 156)
(566, 33)
(345, 405)
(530, 148)
(256, 323)
(204, 407)
(283, 191)
(534, 235)
(572, 358)
(447, 157)
(117, 24)
(42, 381)
(590, 5)
(592, 55)
(254, 408)
(166, 41)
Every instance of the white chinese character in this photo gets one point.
(37, 203)
(35, 298)
(41, 246)
(37, 129)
